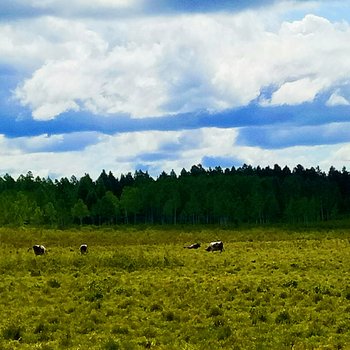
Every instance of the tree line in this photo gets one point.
(245, 194)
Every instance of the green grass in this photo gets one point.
(139, 289)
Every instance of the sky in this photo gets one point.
(161, 85)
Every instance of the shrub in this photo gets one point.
(42, 331)
(283, 317)
(291, 284)
(39, 328)
(224, 332)
(12, 332)
(283, 295)
(322, 290)
(343, 327)
(66, 340)
(46, 347)
(53, 283)
(257, 315)
(315, 330)
(118, 329)
(35, 273)
(111, 345)
(94, 292)
(169, 316)
(347, 294)
(156, 307)
(215, 311)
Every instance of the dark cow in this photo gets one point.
(39, 249)
(215, 246)
(193, 246)
(83, 249)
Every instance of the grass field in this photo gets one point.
(140, 289)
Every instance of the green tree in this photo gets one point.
(50, 213)
(130, 202)
(37, 217)
(6, 203)
(86, 188)
(80, 211)
(109, 207)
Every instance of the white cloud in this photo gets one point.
(337, 100)
(122, 153)
(341, 157)
(7, 148)
(36, 143)
(166, 65)
(296, 92)
(29, 44)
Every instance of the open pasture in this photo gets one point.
(140, 289)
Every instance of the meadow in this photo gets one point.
(138, 288)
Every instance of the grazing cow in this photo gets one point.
(83, 249)
(193, 246)
(39, 249)
(215, 246)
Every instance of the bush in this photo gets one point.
(283, 317)
(224, 332)
(53, 283)
(291, 284)
(111, 345)
(169, 316)
(156, 307)
(12, 332)
(215, 311)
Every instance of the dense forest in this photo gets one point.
(196, 196)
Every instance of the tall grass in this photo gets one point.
(140, 289)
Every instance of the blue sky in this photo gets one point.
(123, 85)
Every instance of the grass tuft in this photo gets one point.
(12, 332)
(111, 344)
(283, 317)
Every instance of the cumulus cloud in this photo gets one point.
(30, 44)
(299, 91)
(176, 64)
(76, 61)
